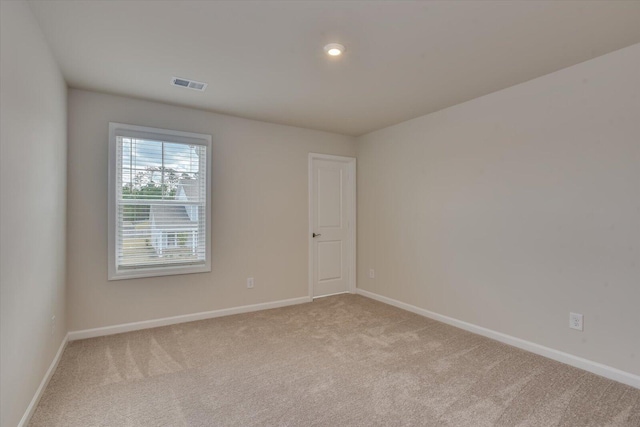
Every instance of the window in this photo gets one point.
(159, 202)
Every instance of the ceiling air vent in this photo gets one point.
(189, 84)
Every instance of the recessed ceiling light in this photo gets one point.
(334, 49)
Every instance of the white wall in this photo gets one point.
(33, 157)
(511, 210)
(259, 213)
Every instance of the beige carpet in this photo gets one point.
(339, 361)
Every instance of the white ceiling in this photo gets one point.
(264, 60)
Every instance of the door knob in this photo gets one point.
(316, 235)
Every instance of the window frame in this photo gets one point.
(158, 134)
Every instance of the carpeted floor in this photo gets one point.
(339, 361)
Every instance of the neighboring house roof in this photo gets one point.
(191, 188)
(171, 217)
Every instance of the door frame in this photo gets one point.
(351, 218)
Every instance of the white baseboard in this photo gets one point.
(560, 356)
(147, 324)
(43, 384)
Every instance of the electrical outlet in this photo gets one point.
(372, 273)
(575, 321)
(250, 283)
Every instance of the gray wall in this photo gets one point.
(511, 210)
(259, 213)
(33, 158)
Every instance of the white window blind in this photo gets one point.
(160, 203)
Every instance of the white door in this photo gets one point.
(331, 224)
